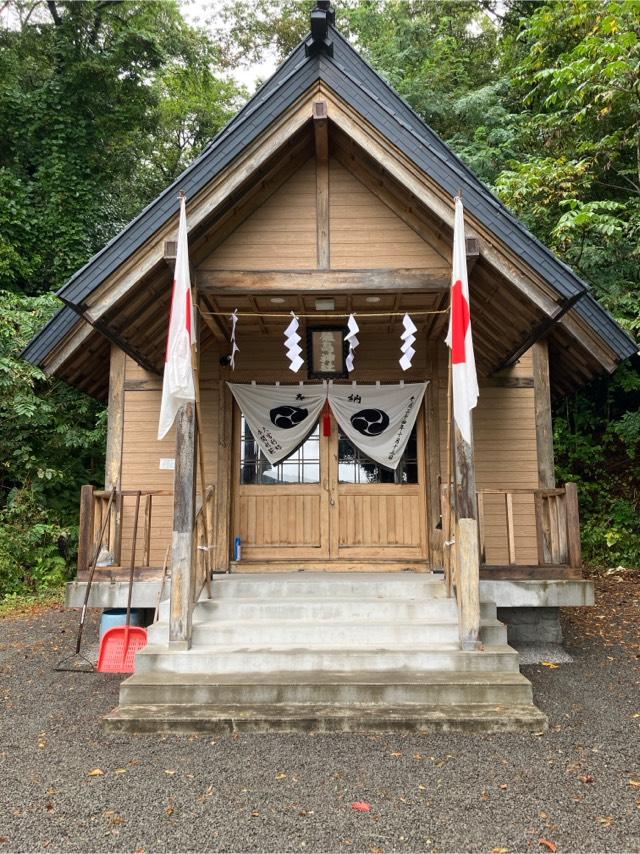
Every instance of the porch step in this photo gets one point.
(294, 607)
(308, 632)
(324, 657)
(391, 688)
(187, 719)
(353, 652)
(328, 585)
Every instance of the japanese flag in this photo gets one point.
(465, 380)
(177, 384)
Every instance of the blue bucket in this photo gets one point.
(118, 617)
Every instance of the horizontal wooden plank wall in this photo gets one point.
(505, 457)
(279, 235)
(366, 233)
(141, 452)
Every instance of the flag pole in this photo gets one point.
(195, 367)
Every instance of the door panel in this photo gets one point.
(378, 519)
(280, 512)
(369, 517)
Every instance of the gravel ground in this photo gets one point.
(66, 786)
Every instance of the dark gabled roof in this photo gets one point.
(347, 73)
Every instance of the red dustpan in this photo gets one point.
(119, 645)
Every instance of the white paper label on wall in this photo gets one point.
(280, 416)
(377, 419)
(167, 463)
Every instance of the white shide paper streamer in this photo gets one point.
(407, 338)
(352, 340)
(292, 344)
(234, 347)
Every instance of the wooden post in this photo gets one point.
(544, 422)
(432, 439)
(225, 468)
(467, 546)
(468, 582)
(184, 508)
(85, 537)
(321, 136)
(115, 433)
(574, 546)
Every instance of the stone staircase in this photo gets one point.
(357, 652)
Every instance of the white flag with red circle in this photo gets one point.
(459, 338)
(177, 384)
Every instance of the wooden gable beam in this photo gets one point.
(296, 281)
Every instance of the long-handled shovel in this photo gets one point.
(77, 663)
(119, 645)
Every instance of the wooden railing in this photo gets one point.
(557, 521)
(94, 504)
(203, 538)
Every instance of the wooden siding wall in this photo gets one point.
(141, 452)
(281, 234)
(505, 457)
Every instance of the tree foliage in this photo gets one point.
(102, 104)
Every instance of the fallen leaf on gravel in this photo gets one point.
(550, 664)
(361, 806)
(3, 839)
(548, 844)
(420, 786)
(121, 771)
(499, 851)
(635, 784)
(169, 810)
(375, 850)
(97, 772)
(637, 715)
(170, 771)
(281, 776)
(503, 786)
(605, 820)
(255, 813)
(586, 778)
(397, 753)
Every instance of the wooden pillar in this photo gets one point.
(224, 470)
(467, 547)
(574, 545)
(184, 508)
(115, 433)
(85, 533)
(321, 137)
(544, 422)
(432, 440)
(115, 413)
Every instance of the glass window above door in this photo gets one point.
(303, 466)
(355, 467)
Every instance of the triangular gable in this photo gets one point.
(354, 81)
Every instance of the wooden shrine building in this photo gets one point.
(327, 195)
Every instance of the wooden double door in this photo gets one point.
(327, 505)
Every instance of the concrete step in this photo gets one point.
(387, 688)
(315, 608)
(348, 632)
(221, 719)
(270, 658)
(328, 585)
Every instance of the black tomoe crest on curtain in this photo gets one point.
(370, 422)
(287, 417)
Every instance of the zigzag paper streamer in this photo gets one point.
(407, 338)
(234, 347)
(292, 344)
(352, 340)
